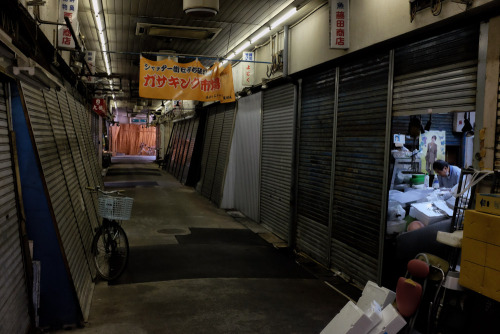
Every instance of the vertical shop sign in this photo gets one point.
(90, 59)
(69, 9)
(339, 24)
(248, 68)
(99, 107)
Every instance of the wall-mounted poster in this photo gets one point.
(432, 148)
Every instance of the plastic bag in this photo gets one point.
(395, 211)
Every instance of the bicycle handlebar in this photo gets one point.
(98, 189)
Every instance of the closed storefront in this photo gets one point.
(181, 148)
(14, 301)
(315, 164)
(217, 142)
(276, 166)
(360, 173)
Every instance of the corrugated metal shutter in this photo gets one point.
(359, 175)
(437, 73)
(227, 110)
(68, 108)
(182, 149)
(184, 136)
(172, 146)
(84, 115)
(315, 164)
(14, 301)
(82, 231)
(214, 128)
(207, 143)
(277, 149)
(59, 197)
(190, 147)
(82, 181)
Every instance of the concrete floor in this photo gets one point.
(186, 293)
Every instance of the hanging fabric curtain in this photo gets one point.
(131, 139)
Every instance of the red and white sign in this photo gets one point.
(99, 107)
(69, 9)
(339, 24)
(248, 68)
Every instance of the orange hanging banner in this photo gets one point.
(169, 80)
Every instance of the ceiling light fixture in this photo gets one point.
(284, 17)
(101, 30)
(265, 31)
(241, 48)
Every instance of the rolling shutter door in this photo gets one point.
(438, 73)
(277, 147)
(184, 136)
(172, 146)
(82, 181)
(213, 153)
(360, 175)
(87, 138)
(190, 148)
(79, 156)
(205, 172)
(226, 132)
(59, 197)
(315, 164)
(82, 231)
(14, 301)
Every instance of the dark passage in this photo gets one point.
(211, 253)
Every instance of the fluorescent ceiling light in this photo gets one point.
(114, 102)
(243, 47)
(284, 17)
(261, 34)
(231, 56)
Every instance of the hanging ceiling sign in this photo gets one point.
(248, 68)
(339, 24)
(169, 80)
(99, 107)
(69, 9)
(90, 59)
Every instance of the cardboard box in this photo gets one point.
(471, 276)
(488, 203)
(350, 320)
(492, 258)
(483, 280)
(474, 251)
(482, 226)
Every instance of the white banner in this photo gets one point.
(248, 69)
(339, 24)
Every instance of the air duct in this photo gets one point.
(201, 8)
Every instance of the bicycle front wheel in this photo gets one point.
(110, 250)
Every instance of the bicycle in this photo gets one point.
(110, 248)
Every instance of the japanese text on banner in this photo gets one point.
(169, 80)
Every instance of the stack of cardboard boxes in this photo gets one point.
(480, 264)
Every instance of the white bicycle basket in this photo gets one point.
(114, 207)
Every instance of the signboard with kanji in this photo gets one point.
(99, 107)
(169, 80)
(90, 59)
(248, 68)
(69, 9)
(339, 24)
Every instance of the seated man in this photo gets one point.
(447, 174)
